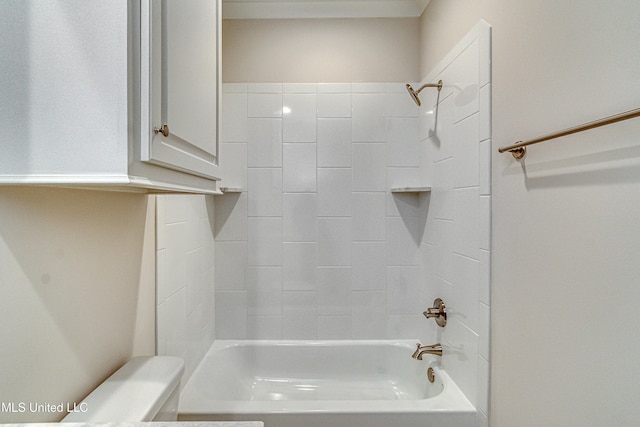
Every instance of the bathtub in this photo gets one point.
(323, 383)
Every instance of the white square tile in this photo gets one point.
(466, 153)
(405, 326)
(299, 168)
(427, 251)
(485, 222)
(176, 267)
(485, 113)
(404, 177)
(441, 135)
(369, 319)
(265, 241)
(264, 291)
(230, 217)
(299, 320)
(403, 286)
(485, 168)
(463, 73)
(403, 241)
(465, 290)
(484, 320)
(195, 297)
(402, 142)
(175, 209)
(369, 87)
(334, 105)
(264, 88)
(484, 281)
(369, 216)
(400, 104)
(334, 327)
(369, 271)
(405, 204)
(299, 88)
(369, 113)
(334, 192)
(481, 418)
(442, 190)
(484, 53)
(234, 88)
(162, 275)
(334, 291)
(233, 117)
(334, 142)
(231, 262)
(442, 288)
(483, 391)
(299, 217)
(466, 213)
(264, 105)
(265, 192)
(334, 87)
(233, 165)
(334, 241)
(461, 363)
(161, 329)
(395, 88)
(369, 167)
(299, 118)
(161, 221)
(264, 143)
(176, 324)
(231, 315)
(443, 234)
(264, 327)
(299, 263)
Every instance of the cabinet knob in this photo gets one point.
(164, 130)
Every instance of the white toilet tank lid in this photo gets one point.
(135, 392)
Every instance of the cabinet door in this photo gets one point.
(183, 75)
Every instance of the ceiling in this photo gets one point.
(268, 9)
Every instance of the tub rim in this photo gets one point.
(450, 400)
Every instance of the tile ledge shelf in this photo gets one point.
(417, 189)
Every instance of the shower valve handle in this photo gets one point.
(437, 312)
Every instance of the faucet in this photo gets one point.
(428, 349)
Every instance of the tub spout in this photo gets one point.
(428, 349)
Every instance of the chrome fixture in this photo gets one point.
(414, 93)
(431, 376)
(438, 312)
(435, 349)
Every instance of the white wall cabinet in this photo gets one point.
(83, 85)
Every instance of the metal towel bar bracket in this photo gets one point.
(518, 150)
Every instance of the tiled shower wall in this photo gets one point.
(456, 242)
(185, 287)
(315, 246)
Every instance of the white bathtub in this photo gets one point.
(323, 383)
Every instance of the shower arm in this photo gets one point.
(414, 93)
(438, 85)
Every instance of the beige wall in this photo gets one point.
(320, 50)
(76, 292)
(565, 229)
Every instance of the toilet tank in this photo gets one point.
(145, 389)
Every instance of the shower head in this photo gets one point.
(414, 93)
